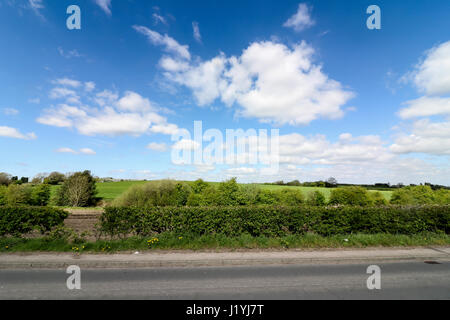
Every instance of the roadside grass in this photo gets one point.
(170, 241)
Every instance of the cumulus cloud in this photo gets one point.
(425, 107)
(112, 115)
(269, 81)
(426, 137)
(105, 5)
(432, 76)
(301, 20)
(9, 132)
(169, 44)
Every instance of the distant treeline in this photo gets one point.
(332, 183)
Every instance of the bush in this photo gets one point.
(420, 195)
(16, 221)
(316, 199)
(352, 196)
(55, 178)
(40, 195)
(79, 190)
(274, 221)
(156, 193)
(17, 195)
(5, 179)
(378, 199)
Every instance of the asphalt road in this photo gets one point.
(406, 280)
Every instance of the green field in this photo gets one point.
(109, 191)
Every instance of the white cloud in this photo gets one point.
(425, 107)
(169, 44)
(89, 86)
(9, 132)
(432, 76)
(10, 111)
(186, 145)
(105, 5)
(36, 6)
(85, 151)
(301, 20)
(130, 114)
(157, 18)
(67, 82)
(426, 137)
(66, 150)
(269, 81)
(69, 54)
(160, 147)
(196, 30)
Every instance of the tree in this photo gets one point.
(331, 183)
(55, 178)
(5, 179)
(79, 190)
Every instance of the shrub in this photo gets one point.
(316, 199)
(3, 195)
(55, 178)
(274, 220)
(420, 195)
(378, 199)
(230, 193)
(353, 196)
(40, 195)
(289, 197)
(79, 190)
(156, 193)
(18, 195)
(16, 221)
(5, 179)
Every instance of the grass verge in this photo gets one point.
(169, 241)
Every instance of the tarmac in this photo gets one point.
(203, 258)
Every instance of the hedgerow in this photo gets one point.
(19, 220)
(274, 221)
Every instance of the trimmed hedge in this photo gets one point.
(17, 221)
(274, 221)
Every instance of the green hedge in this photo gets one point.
(17, 221)
(274, 221)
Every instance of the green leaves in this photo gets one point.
(17, 221)
(274, 221)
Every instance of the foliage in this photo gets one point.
(20, 220)
(79, 190)
(274, 221)
(5, 179)
(316, 199)
(55, 178)
(156, 193)
(420, 195)
(353, 196)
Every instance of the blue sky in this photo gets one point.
(360, 105)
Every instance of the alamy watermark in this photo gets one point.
(235, 147)
(74, 280)
(374, 281)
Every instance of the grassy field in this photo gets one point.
(109, 191)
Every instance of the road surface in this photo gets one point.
(403, 280)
